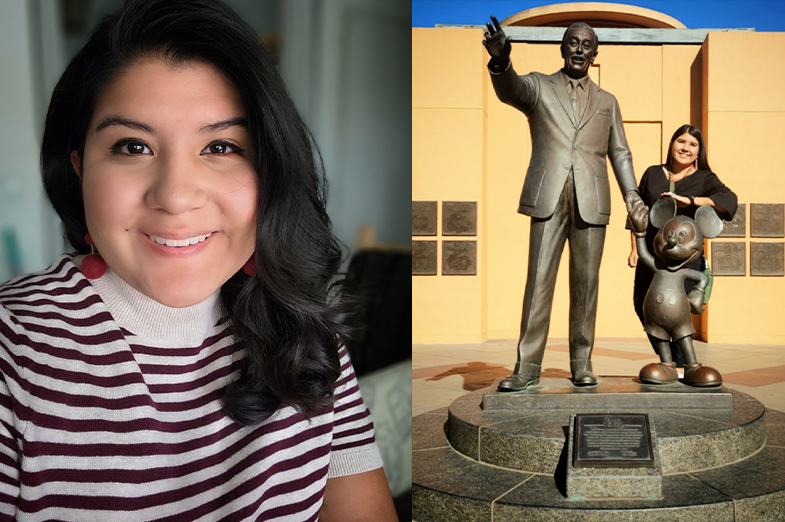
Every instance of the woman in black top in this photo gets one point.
(695, 185)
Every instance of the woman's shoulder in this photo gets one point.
(708, 177)
(59, 290)
(63, 273)
(654, 170)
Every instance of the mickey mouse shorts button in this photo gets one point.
(660, 298)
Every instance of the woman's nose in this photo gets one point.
(176, 187)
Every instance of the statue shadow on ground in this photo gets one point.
(560, 474)
(477, 375)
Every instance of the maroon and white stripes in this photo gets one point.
(98, 423)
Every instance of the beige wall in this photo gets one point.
(744, 118)
(467, 146)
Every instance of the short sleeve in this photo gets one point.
(721, 195)
(354, 447)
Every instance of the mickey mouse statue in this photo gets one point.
(667, 306)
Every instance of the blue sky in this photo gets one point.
(763, 15)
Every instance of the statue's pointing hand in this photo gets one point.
(496, 42)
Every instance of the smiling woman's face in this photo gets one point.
(166, 164)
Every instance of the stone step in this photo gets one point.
(532, 440)
(447, 485)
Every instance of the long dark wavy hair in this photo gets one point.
(695, 132)
(283, 316)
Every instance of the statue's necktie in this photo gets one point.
(575, 100)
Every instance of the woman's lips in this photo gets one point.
(179, 243)
(182, 246)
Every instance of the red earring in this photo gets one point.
(93, 265)
(250, 266)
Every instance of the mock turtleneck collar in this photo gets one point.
(146, 317)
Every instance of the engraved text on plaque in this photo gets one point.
(459, 218)
(423, 218)
(423, 257)
(728, 258)
(767, 259)
(766, 220)
(612, 440)
(459, 257)
(738, 226)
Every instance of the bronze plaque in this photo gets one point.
(423, 257)
(459, 218)
(767, 259)
(728, 258)
(459, 257)
(424, 218)
(612, 440)
(738, 226)
(767, 220)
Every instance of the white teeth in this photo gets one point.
(180, 242)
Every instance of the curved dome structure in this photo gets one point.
(596, 14)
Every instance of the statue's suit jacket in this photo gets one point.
(559, 144)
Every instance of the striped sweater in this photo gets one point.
(110, 411)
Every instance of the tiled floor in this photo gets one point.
(443, 372)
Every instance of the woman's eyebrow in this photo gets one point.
(127, 122)
(224, 124)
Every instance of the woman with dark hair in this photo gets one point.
(687, 178)
(186, 362)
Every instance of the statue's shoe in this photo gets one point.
(584, 378)
(518, 382)
(659, 373)
(699, 375)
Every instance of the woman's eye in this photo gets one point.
(131, 148)
(222, 147)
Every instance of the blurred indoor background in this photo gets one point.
(347, 65)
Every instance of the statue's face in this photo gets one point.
(678, 241)
(578, 52)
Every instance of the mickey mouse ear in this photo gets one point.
(708, 221)
(662, 211)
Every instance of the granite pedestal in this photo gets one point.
(476, 464)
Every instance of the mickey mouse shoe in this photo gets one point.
(702, 376)
(659, 373)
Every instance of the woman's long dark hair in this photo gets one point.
(281, 316)
(695, 132)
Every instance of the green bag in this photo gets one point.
(707, 271)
